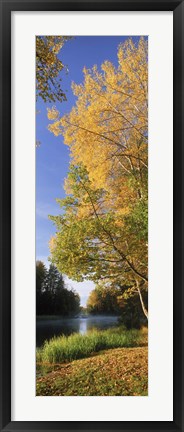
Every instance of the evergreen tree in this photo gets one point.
(41, 273)
(54, 298)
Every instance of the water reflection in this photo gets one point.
(48, 328)
(83, 325)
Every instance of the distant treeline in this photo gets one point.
(52, 295)
(112, 300)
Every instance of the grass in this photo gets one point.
(66, 349)
(115, 372)
(116, 364)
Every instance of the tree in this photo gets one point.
(41, 272)
(103, 300)
(110, 299)
(48, 68)
(102, 234)
(131, 311)
(53, 281)
(54, 297)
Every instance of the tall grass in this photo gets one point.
(63, 349)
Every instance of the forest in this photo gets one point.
(52, 295)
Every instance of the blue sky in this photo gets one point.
(52, 157)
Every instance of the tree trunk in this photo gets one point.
(142, 301)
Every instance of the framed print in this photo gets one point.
(91, 219)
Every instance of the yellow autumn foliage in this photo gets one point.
(103, 232)
(107, 130)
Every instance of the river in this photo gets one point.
(46, 328)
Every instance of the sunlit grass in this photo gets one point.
(76, 346)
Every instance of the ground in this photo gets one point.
(115, 372)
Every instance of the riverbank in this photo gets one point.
(111, 362)
(77, 346)
(49, 327)
(113, 372)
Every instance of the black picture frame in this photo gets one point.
(5, 214)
